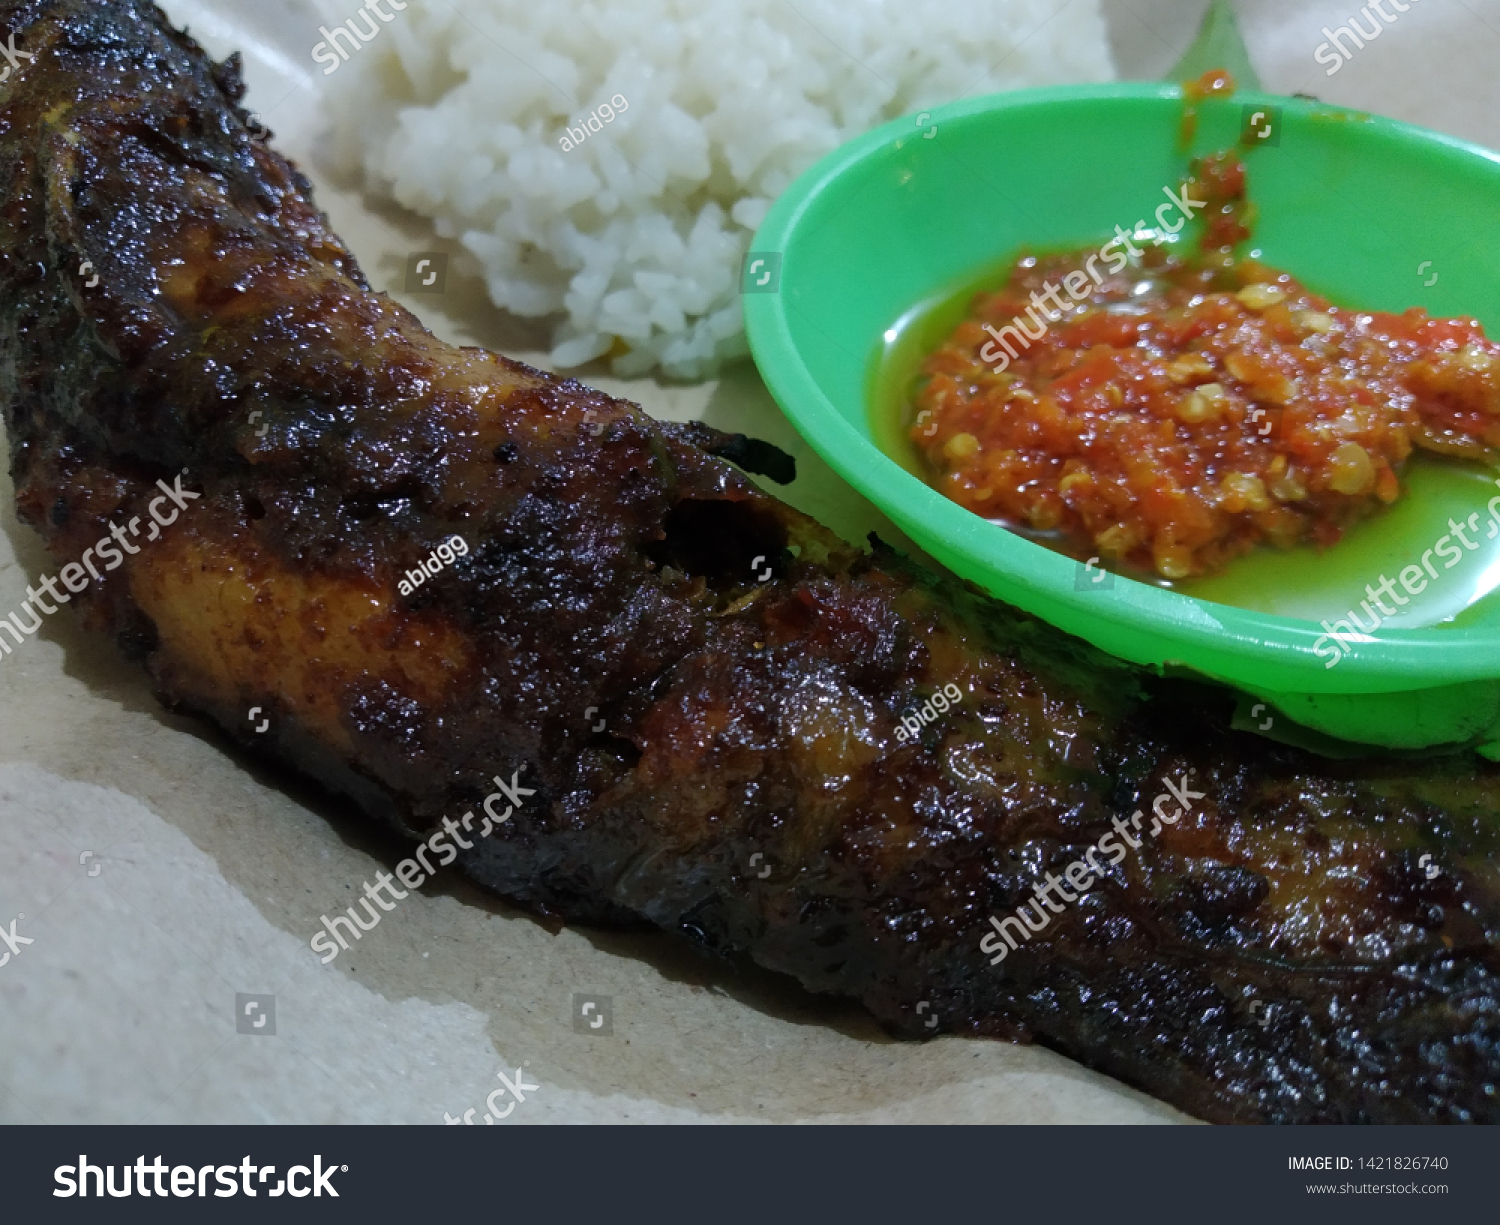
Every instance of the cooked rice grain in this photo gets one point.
(635, 236)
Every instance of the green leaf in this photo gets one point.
(1218, 45)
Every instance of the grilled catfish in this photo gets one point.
(727, 719)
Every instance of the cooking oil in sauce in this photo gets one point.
(1413, 534)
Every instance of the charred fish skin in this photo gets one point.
(1278, 953)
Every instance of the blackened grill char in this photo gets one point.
(1279, 954)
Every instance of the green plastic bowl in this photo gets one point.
(1350, 204)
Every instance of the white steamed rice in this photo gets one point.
(634, 237)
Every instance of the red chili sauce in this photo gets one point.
(1169, 412)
